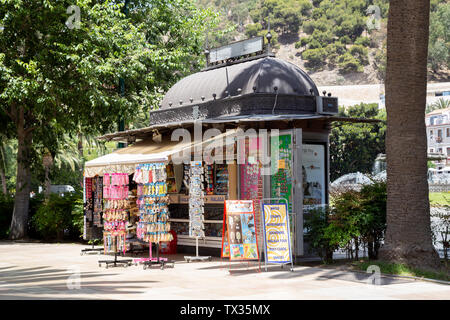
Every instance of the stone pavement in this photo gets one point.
(51, 271)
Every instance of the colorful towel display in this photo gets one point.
(153, 225)
(115, 211)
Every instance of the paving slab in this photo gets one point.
(58, 271)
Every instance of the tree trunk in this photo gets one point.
(23, 182)
(3, 169)
(408, 234)
(3, 178)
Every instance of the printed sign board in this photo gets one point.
(236, 49)
(276, 234)
(239, 240)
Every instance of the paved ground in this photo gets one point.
(50, 271)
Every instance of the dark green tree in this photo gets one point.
(59, 73)
(354, 146)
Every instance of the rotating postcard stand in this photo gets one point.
(277, 238)
(196, 209)
(113, 240)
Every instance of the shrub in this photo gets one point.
(348, 63)
(356, 218)
(336, 47)
(363, 41)
(312, 25)
(303, 42)
(6, 211)
(316, 57)
(360, 53)
(57, 215)
(251, 30)
(324, 37)
(314, 44)
(316, 222)
(345, 39)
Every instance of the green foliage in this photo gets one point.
(348, 63)
(354, 146)
(356, 218)
(252, 30)
(363, 41)
(59, 214)
(438, 104)
(316, 58)
(336, 47)
(285, 15)
(439, 39)
(66, 81)
(303, 42)
(315, 24)
(6, 210)
(316, 222)
(360, 53)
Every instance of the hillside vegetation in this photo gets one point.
(337, 42)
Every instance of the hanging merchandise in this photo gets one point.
(221, 182)
(115, 211)
(97, 190)
(209, 179)
(152, 199)
(196, 201)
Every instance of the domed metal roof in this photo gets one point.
(254, 76)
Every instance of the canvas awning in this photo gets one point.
(124, 160)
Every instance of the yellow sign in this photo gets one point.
(276, 234)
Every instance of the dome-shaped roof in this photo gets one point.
(254, 76)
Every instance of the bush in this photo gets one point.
(58, 215)
(6, 211)
(316, 222)
(348, 63)
(314, 44)
(316, 58)
(251, 30)
(336, 47)
(363, 41)
(360, 53)
(357, 218)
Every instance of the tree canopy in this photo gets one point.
(354, 146)
(57, 80)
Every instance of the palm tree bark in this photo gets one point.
(408, 234)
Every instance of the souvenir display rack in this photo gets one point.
(152, 199)
(196, 208)
(91, 232)
(215, 178)
(115, 216)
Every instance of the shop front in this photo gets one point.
(259, 130)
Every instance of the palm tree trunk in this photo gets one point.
(408, 234)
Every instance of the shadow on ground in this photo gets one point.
(18, 283)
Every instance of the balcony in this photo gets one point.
(438, 139)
